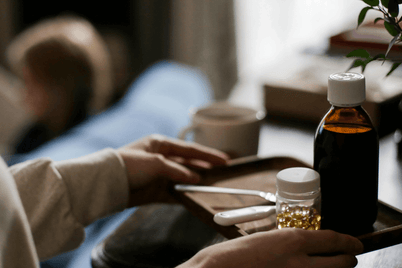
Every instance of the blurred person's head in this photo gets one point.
(57, 76)
(79, 33)
(66, 66)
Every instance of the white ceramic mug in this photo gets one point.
(227, 127)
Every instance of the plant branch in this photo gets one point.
(391, 23)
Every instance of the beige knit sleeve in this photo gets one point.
(61, 198)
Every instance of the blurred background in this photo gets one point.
(258, 32)
(273, 34)
(265, 30)
(244, 46)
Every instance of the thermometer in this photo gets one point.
(241, 215)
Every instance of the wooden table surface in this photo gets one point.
(297, 140)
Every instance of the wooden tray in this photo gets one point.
(260, 174)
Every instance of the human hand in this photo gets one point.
(289, 247)
(155, 160)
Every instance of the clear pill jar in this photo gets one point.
(298, 199)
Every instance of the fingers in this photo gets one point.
(191, 163)
(322, 248)
(177, 172)
(143, 167)
(338, 261)
(336, 243)
(172, 147)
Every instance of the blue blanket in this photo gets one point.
(158, 101)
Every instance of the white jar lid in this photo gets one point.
(346, 89)
(298, 180)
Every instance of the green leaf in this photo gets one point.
(362, 53)
(372, 2)
(362, 15)
(357, 63)
(376, 57)
(377, 19)
(384, 3)
(394, 66)
(390, 28)
(392, 43)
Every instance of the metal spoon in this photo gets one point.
(212, 189)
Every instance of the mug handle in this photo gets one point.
(183, 133)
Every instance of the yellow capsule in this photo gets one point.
(306, 211)
(298, 223)
(297, 210)
(313, 220)
(287, 214)
(280, 220)
(282, 225)
(297, 216)
(290, 224)
(283, 220)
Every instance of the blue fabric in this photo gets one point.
(157, 102)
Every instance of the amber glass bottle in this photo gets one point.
(346, 152)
